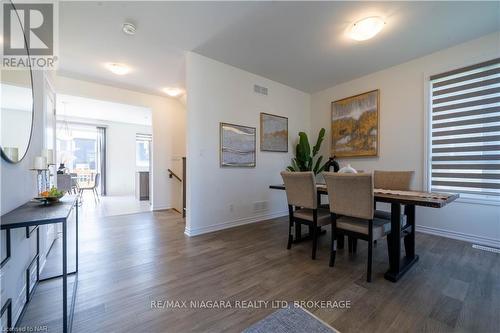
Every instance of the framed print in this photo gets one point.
(273, 133)
(237, 145)
(355, 125)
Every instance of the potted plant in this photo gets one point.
(305, 159)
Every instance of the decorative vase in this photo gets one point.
(333, 163)
(62, 169)
(348, 169)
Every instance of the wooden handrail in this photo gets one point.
(171, 173)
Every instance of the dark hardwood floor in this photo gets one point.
(130, 260)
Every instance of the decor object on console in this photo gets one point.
(237, 145)
(273, 133)
(303, 160)
(348, 169)
(355, 125)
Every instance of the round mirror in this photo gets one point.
(16, 98)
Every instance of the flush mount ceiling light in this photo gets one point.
(118, 69)
(129, 28)
(366, 28)
(173, 91)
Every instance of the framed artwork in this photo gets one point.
(273, 133)
(237, 145)
(355, 125)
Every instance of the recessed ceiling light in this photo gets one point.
(118, 69)
(366, 28)
(129, 28)
(173, 91)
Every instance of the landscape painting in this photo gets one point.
(273, 133)
(237, 145)
(355, 129)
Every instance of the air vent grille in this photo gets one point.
(259, 89)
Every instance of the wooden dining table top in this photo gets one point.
(417, 198)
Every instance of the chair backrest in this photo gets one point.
(97, 179)
(64, 182)
(393, 180)
(300, 189)
(350, 194)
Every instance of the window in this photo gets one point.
(142, 150)
(465, 135)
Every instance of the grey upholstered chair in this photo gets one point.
(303, 208)
(352, 212)
(392, 180)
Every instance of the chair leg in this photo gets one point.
(290, 226)
(333, 246)
(354, 245)
(369, 268)
(314, 229)
(370, 252)
(349, 243)
(95, 196)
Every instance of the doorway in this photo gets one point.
(104, 148)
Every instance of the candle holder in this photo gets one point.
(41, 177)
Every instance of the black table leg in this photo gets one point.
(409, 239)
(399, 267)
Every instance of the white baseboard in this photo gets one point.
(459, 235)
(161, 208)
(234, 223)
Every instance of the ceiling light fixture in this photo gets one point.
(366, 28)
(173, 91)
(118, 69)
(129, 28)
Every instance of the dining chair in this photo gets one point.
(303, 208)
(352, 212)
(74, 182)
(394, 181)
(92, 187)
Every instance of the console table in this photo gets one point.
(34, 214)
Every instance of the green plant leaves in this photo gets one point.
(303, 161)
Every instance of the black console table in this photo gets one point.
(34, 214)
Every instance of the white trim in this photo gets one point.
(426, 174)
(478, 201)
(231, 224)
(492, 242)
(155, 208)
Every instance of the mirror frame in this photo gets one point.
(4, 156)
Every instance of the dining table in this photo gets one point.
(398, 264)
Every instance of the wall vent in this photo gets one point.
(259, 89)
(486, 248)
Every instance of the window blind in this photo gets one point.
(465, 142)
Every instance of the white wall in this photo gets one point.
(402, 132)
(219, 198)
(168, 130)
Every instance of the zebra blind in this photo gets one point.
(465, 148)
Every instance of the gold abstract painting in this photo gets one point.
(355, 129)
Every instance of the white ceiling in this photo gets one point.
(92, 109)
(300, 44)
